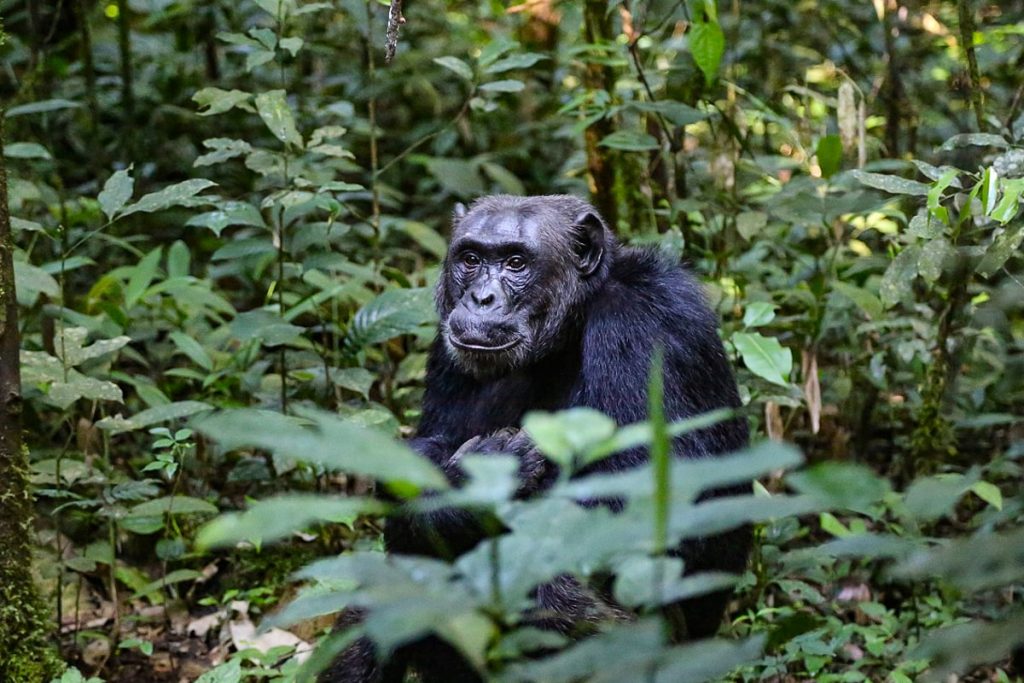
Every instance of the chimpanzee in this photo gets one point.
(542, 309)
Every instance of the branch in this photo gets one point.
(395, 19)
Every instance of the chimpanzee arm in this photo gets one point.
(444, 429)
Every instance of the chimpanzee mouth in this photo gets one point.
(483, 348)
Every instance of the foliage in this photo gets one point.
(228, 217)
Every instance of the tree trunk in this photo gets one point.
(24, 654)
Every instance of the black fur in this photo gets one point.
(593, 331)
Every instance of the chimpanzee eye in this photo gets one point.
(515, 263)
(470, 260)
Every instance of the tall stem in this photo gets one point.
(966, 12)
(127, 87)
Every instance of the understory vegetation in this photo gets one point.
(227, 218)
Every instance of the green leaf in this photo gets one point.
(278, 9)
(276, 518)
(929, 498)
(495, 49)
(989, 493)
(329, 441)
(26, 150)
(392, 314)
(358, 380)
(934, 203)
(30, 281)
(458, 176)
(831, 525)
(173, 505)
(862, 298)
(749, 223)
(456, 65)
(71, 346)
(840, 485)
(758, 313)
(274, 110)
(40, 107)
(764, 356)
(974, 139)
(964, 647)
(707, 45)
(223, 149)
(180, 194)
(192, 348)
(642, 581)
(630, 141)
(217, 101)
(891, 183)
(675, 112)
(116, 192)
(142, 275)
(898, 282)
(520, 61)
(509, 85)
(173, 577)
(1001, 249)
(561, 435)
(228, 672)
(152, 416)
(292, 44)
(178, 260)
(258, 58)
(228, 214)
(979, 562)
(1006, 209)
(269, 328)
(830, 155)
(934, 254)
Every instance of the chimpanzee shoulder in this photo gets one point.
(651, 302)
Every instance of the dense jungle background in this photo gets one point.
(219, 228)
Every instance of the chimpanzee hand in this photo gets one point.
(534, 468)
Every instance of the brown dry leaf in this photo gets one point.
(773, 421)
(162, 662)
(812, 388)
(244, 636)
(855, 593)
(200, 626)
(96, 653)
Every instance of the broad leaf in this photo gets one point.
(764, 356)
(891, 183)
(152, 416)
(456, 65)
(630, 141)
(276, 518)
(326, 440)
(707, 45)
(277, 115)
(116, 192)
(392, 314)
(179, 194)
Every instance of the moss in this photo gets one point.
(26, 656)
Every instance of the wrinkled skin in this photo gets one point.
(541, 309)
(513, 280)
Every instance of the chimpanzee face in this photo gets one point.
(515, 271)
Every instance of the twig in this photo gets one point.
(395, 19)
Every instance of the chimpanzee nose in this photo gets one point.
(485, 298)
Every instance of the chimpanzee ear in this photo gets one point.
(589, 235)
(458, 213)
